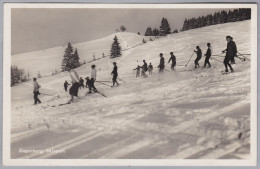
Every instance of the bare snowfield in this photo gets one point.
(199, 114)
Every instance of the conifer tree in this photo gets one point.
(156, 32)
(66, 58)
(115, 50)
(149, 32)
(165, 27)
(70, 59)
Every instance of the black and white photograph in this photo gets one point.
(130, 84)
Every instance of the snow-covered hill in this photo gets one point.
(183, 114)
(48, 60)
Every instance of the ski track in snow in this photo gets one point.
(182, 114)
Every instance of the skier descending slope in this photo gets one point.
(137, 71)
(231, 51)
(93, 79)
(173, 59)
(144, 69)
(161, 65)
(150, 69)
(115, 74)
(81, 82)
(208, 54)
(75, 84)
(66, 85)
(199, 55)
(36, 92)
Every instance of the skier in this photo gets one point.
(208, 54)
(144, 69)
(115, 74)
(66, 85)
(73, 91)
(231, 51)
(88, 82)
(36, 92)
(137, 71)
(161, 65)
(173, 59)
(199, 55)
(81, 82)
(150, 69)
(93, 79)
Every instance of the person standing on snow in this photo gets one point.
(231, 51)
(73, 91)
(208, 54)
(36, 92)
(150, 69)
(161, 65)
(173, 59)
(115, 74)
(144, 69)
(199, 55)
(137, 71)
(66, 85)
(93, 79)
(88, 82)
(81, 82)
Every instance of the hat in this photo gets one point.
(229, 37)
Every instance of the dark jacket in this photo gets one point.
(66, 84)
(81, 81)
(161, 65)
(114, 72)
(173, 58)
(231, 49)
(145, 66)
(208, 53)
(199, 53)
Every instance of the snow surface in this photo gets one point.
(199, 114)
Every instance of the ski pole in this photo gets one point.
(189, 59)
(216, 60)
(243, 56)
(50, 95)
(103, 83)
(121, 80)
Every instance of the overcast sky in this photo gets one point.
(36, 29)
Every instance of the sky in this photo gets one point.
(35, 29)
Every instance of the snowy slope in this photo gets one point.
(47, 60)
(182, 114)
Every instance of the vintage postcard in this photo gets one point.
(130, 84)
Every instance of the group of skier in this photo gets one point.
(144, 68)
(231, 53)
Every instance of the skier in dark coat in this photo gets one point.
(173, 59)
(144, 69)
(161, 65)
(231, 52)
(66, 85)
(93, 79)
(88, 82)
(81, 82)
(208, 54)
(36, 92)
(199, 55)
(115, 74)
(73, 91)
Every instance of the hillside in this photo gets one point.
(199, 114)
(47, 60)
